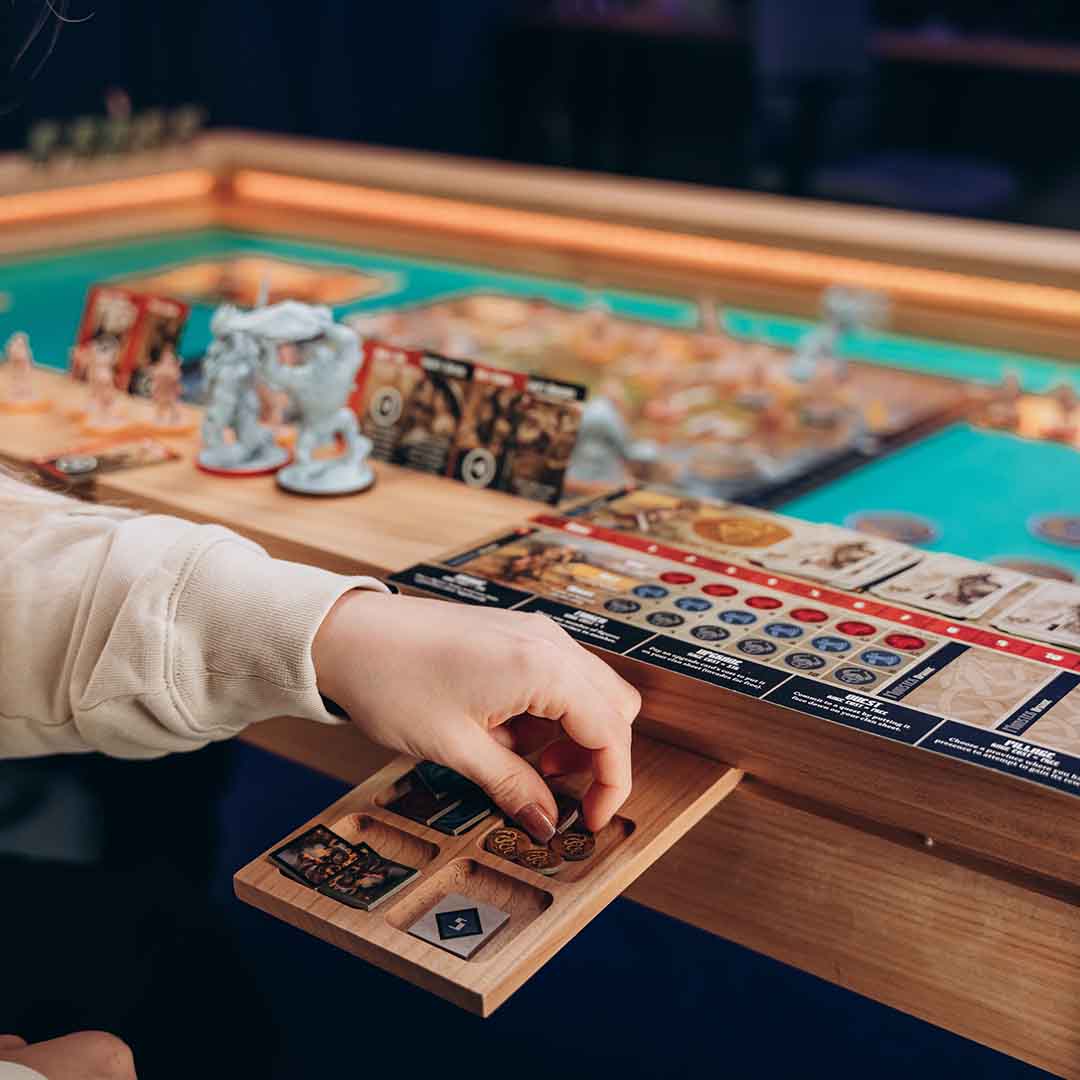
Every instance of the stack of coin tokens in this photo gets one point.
(572, 842)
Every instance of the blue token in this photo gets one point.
(880, 658)
(783, 630)
(621, 606)
(693, 603)
(735, 617)
(829, 643)
(650, 592)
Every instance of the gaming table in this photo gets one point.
(945, 891)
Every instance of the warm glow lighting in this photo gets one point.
(109, 195)
(685, 251)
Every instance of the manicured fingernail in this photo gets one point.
(540, 827)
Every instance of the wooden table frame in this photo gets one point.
(905, 902)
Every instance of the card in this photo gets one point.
(85, 461)
(459, 924)
(419, 804)
(836, 556)
(1050, 613)
(443, 782)
(959, 588)
(111, 313)
(159, 326)
(369, 881)
(318, 855)
(465, 815)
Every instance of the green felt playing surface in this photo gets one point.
(978, 487)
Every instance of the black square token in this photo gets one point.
(458, 924)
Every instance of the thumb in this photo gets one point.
(509, 781)
(11, 1042)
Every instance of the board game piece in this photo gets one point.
(82, 463)
(1061, 529)
(895, 525)
(1050, 613)
(105, 411)
(573, 846)
(318, 855)
(319, 387)
(506, 842)
(20, 393)
(167, 416)
(418, 804)
(467, 814)
(43, 141)
(234, 443)
(569, 812)
(368, 882)
(960, 588)
(443, 781)
(459, 924)
(542, 860)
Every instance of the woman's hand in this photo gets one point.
(451, 683)
(85, 1055)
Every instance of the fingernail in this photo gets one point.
(540, 827)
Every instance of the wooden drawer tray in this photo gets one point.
(673, 790)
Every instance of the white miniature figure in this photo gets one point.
(845, 310)
(230, 371)
(105, 411)
(21, 396)
(319, 386)
(165, 384)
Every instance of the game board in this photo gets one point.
(725, 415)
(975, 662)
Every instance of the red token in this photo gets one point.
(719, 590)
(808, 614)
(765, 602)
(676, 577)
(853, 628)
(909, 642)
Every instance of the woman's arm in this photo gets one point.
(137, 636)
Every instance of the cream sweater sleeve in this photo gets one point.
(137, 636)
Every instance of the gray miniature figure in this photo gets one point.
(230, 371)
(320, 386)
(845, 310)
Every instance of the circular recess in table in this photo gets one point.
(1060, 529)
(896, 525)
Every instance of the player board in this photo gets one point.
(975, 662)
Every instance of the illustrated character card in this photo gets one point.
(111, 314)
(368, 881)
(838, 556)
(158, 330)
(949, 585)
(141, 327)
(518, 433)
(1050, 613)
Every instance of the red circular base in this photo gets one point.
(242, 474)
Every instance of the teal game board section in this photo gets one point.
(47, 293)
(980, 488)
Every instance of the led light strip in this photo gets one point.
(686, 251)
(110, 195)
